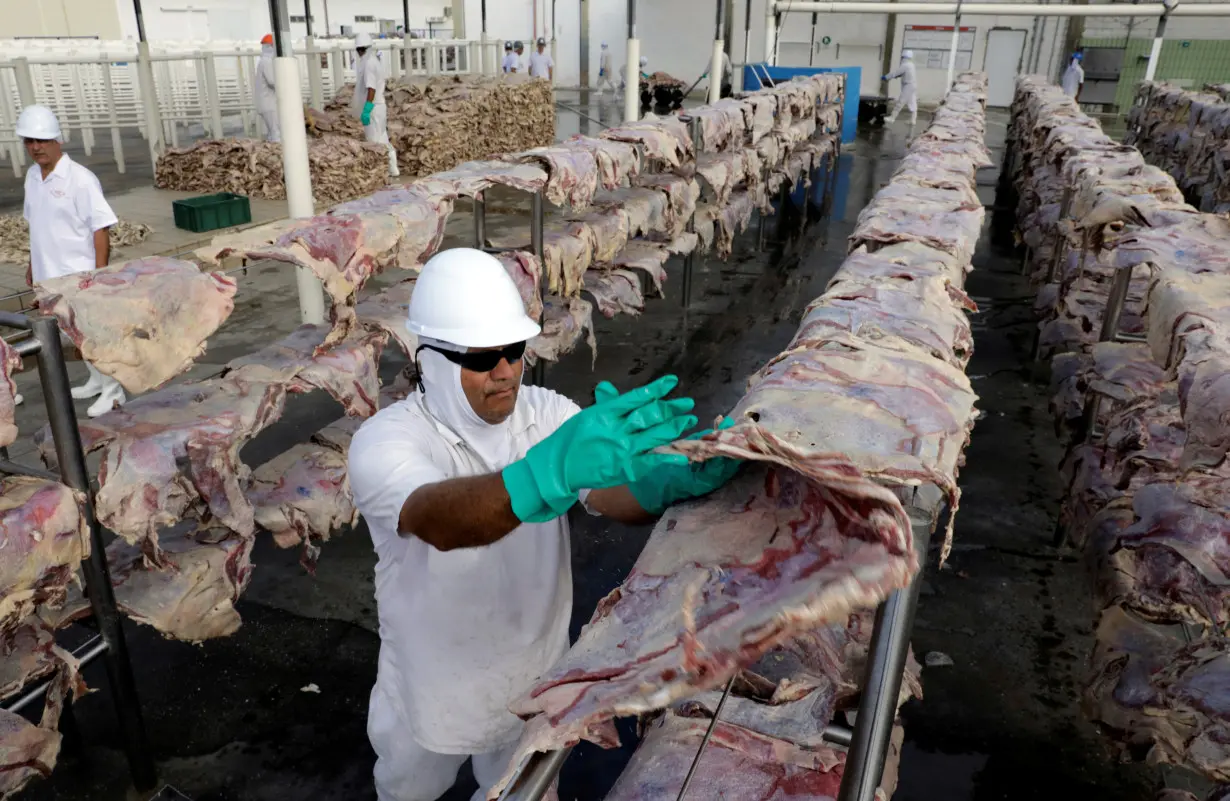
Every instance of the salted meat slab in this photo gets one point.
(175, 453)
(1122, 372)
(473, 177)
(953, 230)
(565, 323)
(27, 752)
(722, 125)
(43, 537)
(573, 173)
(338, 434)
(615, 291)
(904, 261)
(302, 496)
(721, 581)
(606, 229)
(347, 370)
(682, 194)
(1181, 304)
(919, 311)
(10, 363)
(142, 322)
(342, 250)
(665, 140)
(617, 161)
(420, 215)
(1204, 385)
(525, 269)
(387, 312)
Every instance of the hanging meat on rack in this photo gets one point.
(617, 161)
(565, 323)
(573, 173)
(142, 322)
(10, 363)
(45, 538)
(302, 496)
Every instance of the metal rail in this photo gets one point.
(93, 648)
(62, 417)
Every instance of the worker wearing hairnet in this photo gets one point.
(510, 58)
(1074, 76)
(465, 487)
(541, 63)
(604, 70)
(70, 224)
(264, 93)
(368, 101)
(908, 98)
(623, 73)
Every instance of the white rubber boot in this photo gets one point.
(92, 387)
(18, 400)
(112, 395)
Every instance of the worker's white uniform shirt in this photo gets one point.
(369, 74)
(541, 64)
(64, 211)
(511, 62)
(1073, 77)
(465, 632)
(909, 89)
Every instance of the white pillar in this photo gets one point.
(770, 31)
(113, 118)
(211, 91)
(632, 88)
(297, 173)
(315, 79)
(25, 82)
(1156, 51)
(149, 102)
(952, 49)
(715, 71)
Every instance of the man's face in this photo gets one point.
(43, 152)
(520, 51)
(493, 395)
(542, 48)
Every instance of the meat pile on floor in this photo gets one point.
(839, 430)
(15, 237)
(1187, 134)
(341, 168)
(1146, 406)
(437, 123)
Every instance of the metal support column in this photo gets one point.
(480, 221)
(632, 78)
(877, 709)
(63, 421)
(952, 48)
(715, 64)
(689, 261)
(538, 213)
(811, 51)
(1156, 51)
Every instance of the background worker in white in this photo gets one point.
(465, 487)
(510, 59)
(368, 104)
(908, 98)
(69, 220)
(264, 93)
(1074, 76)
(604, 70)
(519, 52)
(541, 63)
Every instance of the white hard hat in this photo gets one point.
(362, 40)
(907, 54)
(38, 122)
(466, 297)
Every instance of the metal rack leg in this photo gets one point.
(480, 220)
(538, 214)
(877, 710)
(63, 419)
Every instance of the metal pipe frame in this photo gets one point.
(1065, 208)
(87, 653)
(531, 782)
(877, 709)
(689, 261)
(538, 214)
(949, 9)
(62, 417)
(480, 221)
(1114, 304)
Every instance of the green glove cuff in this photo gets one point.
(528, 504)
(368, 106)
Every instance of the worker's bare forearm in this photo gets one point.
(618, 503)
(102, 247)
(371, 95)
(459, 513)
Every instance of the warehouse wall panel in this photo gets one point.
(90, 18)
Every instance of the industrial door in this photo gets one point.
(1003, 63)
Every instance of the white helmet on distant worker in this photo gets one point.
(466, 297)
(37, 122)
(644, 61)
(362, 40)
(907, 54)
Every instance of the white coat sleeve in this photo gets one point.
(371, 72)
(384, 470)
(93, 207)
(892, 75)
(25, 204)
(267, 73)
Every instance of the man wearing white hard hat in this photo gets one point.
(368, 104)
(510, 58)
(465, 487)
(541, 63)
(908, 98)
(264, 93)
(70, 223)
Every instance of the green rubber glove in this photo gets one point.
(607, 445)
(669, 484)
(366, 117)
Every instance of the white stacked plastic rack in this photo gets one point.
(95, 88)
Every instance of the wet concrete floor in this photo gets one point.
(230, 721)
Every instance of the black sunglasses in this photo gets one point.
(483, 361)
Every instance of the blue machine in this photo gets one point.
(753, 79)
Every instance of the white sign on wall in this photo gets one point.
(931, 44)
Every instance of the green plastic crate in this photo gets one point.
(211, 212)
